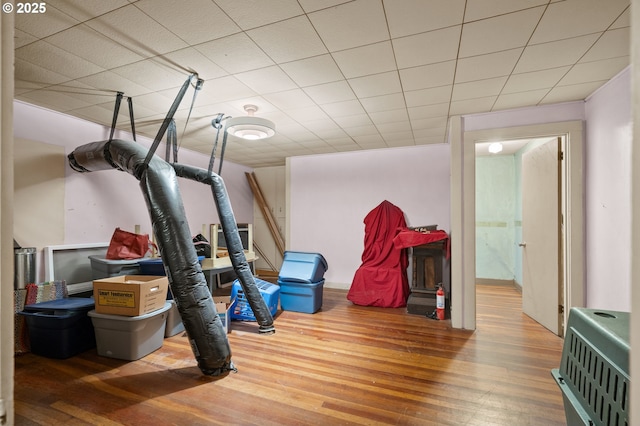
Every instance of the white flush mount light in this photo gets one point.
(250, 127)
(495, 147)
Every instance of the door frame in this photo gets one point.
(463, 186)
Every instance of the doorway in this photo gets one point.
(463, 250)
(519, 192)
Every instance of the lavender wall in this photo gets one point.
(331, 194)
(608, 195)
(96, 203)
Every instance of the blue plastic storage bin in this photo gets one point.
(301, 297)
(60, 328)
(240, 308)
(302, 267)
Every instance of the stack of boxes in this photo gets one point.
(130, 315)
(301, 281)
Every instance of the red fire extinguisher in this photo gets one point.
(440, 303)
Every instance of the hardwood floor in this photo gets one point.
(344, 365)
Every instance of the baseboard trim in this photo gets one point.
(493, 281)
(338, 286)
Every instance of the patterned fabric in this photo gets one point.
(33, 293)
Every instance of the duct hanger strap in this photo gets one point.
(133, 125)
(171, 113)
(172, 142)
(116, 110)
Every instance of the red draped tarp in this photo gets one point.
(381, 279)
(410, 238)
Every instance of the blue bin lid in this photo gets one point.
(65, 304)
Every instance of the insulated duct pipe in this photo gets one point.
(234, 243)
(159, 185)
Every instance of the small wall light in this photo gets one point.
(495, 147)
(250, 127)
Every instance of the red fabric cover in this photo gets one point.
(409, 238)
(381, 280)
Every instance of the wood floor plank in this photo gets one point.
(344, 365)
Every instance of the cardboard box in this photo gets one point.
(223, 304)
(130, 295)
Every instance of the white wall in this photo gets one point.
(96, 203)
(331, 194)
(608, 195)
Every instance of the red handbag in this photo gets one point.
(127, 245)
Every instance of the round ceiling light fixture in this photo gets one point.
(250, 127)
(495, 147)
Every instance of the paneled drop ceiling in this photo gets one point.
(333, 75)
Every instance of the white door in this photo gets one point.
(541, 235)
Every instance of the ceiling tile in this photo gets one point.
(624, 20)
(110, 83)
(488, 35)
(383, 103)
(83, 9)
(361, 131)
(312, 71)
(613, 43)
(594, 71)
(573, 18)
(370, 141)
(267, 80)
(351, 24)
(255, 13)
(471, 106)
(290, 99)
(236, 53)
(520, 99)
(86, 42)
(152, 75)
(428, 76)
(427, 48)
(307, 114)
(574, 92)
(288, 40)
(330, 92)
(50, 22)
(30, 76)
(409, 17)
(429, 123)
(554, 54)
(428, 111)
(20, 38)
(534, 80)
(228, 89)
(478, 89)
(136, 31)
(376, 85)
(47, 56)
(349, 121)
(313, 5)
(394, 116)
(53, 96)
(366, 60)
(481, 9)
(487, 66)
(201, 21)
(344, 108)
(434, 95)
(192, 60)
